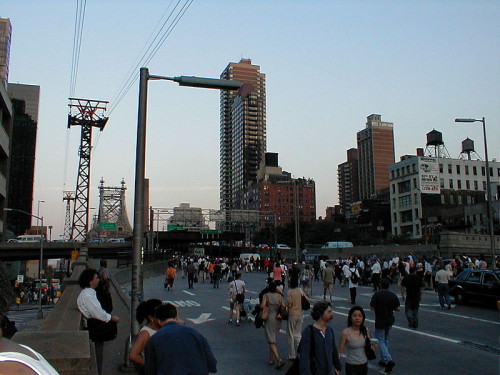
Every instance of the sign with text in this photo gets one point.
(428, 172)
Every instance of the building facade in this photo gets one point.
(375, 155)
(30, 94)
(430, 194)
(348, 180)
(5, 38)
(6, 119)
(280, 198)
(242, 132)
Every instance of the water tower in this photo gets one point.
(435, 146)
(468, 151)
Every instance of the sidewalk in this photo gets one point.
(114, 351)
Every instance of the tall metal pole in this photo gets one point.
(297, 224)
(488, 197)
(140, 166)
(40, 311)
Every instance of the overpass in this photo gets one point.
(175, 240)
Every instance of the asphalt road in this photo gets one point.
(463, 340)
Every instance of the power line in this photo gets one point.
(151, 50)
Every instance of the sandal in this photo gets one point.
(281, 363)
(270, 363)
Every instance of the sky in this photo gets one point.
(328, 64)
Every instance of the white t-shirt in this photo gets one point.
(376, 267)
(90, 307)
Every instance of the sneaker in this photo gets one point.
(230, 321)
(389, 367)
(382, 363)
(237, 322)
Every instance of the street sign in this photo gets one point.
(209, 231)
(174, 227)
(107, 226)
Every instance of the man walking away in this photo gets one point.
(384, 302)
(354, 279)
(412, 285)
(176, 348)
(443, 289)
(376, 271)
(328, 277)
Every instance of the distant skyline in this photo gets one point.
(328, 65)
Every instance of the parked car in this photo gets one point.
(263, 246)
(471, 284)
(282, 246)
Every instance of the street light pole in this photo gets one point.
(140, 166)
(38, 214)
(489, 200)
(40, 311)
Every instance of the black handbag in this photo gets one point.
(306, 305)
(370, 353)
(101, 331)
(282, 313)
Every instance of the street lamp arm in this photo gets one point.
(24, 212)
(467, 120)
(207, 83)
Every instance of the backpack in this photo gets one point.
(354, 277)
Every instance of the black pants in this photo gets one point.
(190, 280)
(353, 295)
(376, 281)
(356, 369)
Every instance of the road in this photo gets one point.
(463, 340)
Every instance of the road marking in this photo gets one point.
(334, 298)
(203, 318)
(184, 303)
(191, 294)
(411, 330)
(283, 331)
(226, 308)
(463, 316)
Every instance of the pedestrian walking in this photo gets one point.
(376, 271)
(238, 295)
(103, 290)
(191, 273)
(318, 352)
(170, 275)
(412, 286)
(443, 289)
(177, 349)
(353, 280)
(353, 341)
(328, 277)
(306, 278)
(145, 312)
(295, 318)
(272, 301)
(384, 303)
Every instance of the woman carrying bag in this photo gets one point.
(272, 301)
(355, 341)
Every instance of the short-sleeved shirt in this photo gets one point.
(384, 302)
(413, 285)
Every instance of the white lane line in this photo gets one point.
(225, 308)
(463, 316)
(283, 331)
(410, 330)
(191, 294)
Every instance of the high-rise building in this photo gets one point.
(6, 118)
(242, 132)
(5, 37)
(348, 180)
(375, 154)
(29, 93)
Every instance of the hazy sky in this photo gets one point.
(328, 64)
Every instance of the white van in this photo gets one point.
(30, 238)
(337, 245)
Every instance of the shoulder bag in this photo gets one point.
(101, 331)
(370, 353)
(306, 305)
(295, 367)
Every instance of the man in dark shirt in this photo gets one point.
(177, 349)
(384, 302)
(413, 286)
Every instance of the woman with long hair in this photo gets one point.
(145, 312)
(352, 340)
(272, 300)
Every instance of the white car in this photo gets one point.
(282, 246)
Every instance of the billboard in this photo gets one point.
(428, 173)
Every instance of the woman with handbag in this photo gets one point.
(295, 318)
(101, 325)
(355, 340)
(272, 301)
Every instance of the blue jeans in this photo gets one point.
(382, 334)
(444, 294)
(411, 312)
